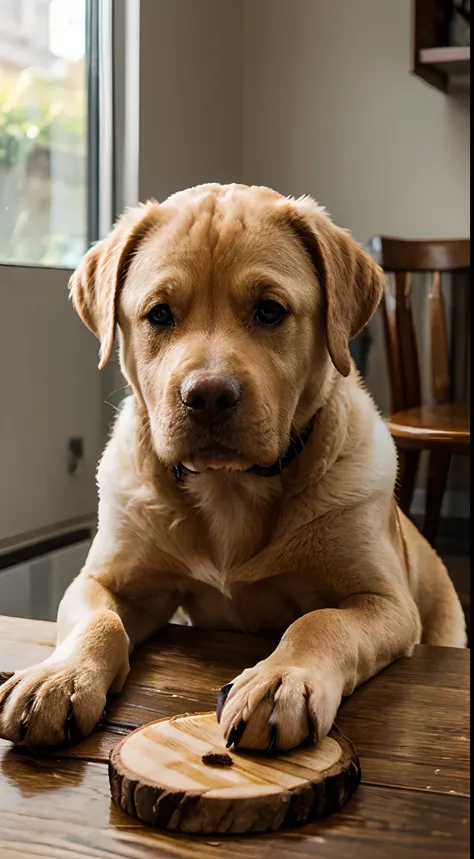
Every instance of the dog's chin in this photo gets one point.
(216, 458)
(204, 454)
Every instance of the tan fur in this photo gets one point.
(319, 555)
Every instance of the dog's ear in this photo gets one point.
(352, 282)
(95, 285)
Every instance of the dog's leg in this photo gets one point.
(322, 657)
(63, 698)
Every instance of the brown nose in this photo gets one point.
(209, 396)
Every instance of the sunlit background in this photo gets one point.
(42, 132)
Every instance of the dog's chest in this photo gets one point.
(265, 607)
(237, 516)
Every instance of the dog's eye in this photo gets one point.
(269, 313)
(161, 315)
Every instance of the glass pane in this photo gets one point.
(43, 132)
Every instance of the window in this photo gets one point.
(43, 132)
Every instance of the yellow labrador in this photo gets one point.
(249, 480)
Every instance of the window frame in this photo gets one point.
(100, 118)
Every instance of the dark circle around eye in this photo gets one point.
(161, 315)
(269, 312)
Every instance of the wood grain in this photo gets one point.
(25, 642)
(406, 723)
(447, 424)
(157, 774)
(376, 822)
(425, 255)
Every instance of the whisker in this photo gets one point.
(122, 388)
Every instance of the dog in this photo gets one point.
(248, 483)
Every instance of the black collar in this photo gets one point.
(298, 442)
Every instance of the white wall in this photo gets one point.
(190, 94)
(51, 391)
(330, 109)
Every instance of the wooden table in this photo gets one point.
(410, 725)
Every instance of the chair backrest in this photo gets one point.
(400, 258)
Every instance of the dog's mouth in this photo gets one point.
(216, 458)
(224, 448)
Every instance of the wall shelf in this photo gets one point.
(452, 61)
(444, 67)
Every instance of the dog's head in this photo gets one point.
(234, 306)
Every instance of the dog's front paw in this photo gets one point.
(51, 703)
(275, 706)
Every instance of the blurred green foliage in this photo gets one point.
(32, 107)
(42, 117)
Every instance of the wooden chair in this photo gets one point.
(443, 427)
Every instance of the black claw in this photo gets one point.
(239, 732)
(236, 734)
(273, 744)
(25, 720)
(222, 698)
(23, 729)
(101, 722)
(311, 730)
(71, 728)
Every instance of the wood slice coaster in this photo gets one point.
(158, 775)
